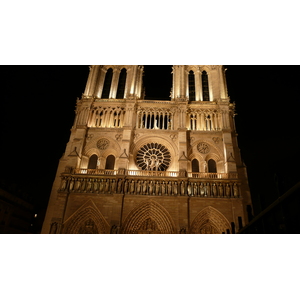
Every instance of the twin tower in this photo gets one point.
(151, 166)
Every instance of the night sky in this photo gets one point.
(37, 112)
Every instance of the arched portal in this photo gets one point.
(210, 220)
(86, 220)
(149, 217)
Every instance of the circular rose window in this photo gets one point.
(153, 157)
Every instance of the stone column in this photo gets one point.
(198, 86)
(91, 82)
(114, 83)
(100, 83)
(210, 86)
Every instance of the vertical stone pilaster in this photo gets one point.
(114, 83)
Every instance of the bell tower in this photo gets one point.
(151, 166)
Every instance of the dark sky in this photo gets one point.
(37, 113)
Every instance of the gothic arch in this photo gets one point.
(192, 68)
(205, 68)
(213, 156)
(214, 153)
(91, 147)
(210, 220)
(149, 216)
(87, 215)
(92, 151)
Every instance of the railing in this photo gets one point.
(152, 173)
(213, 175)
(157, 173)
(95, 172)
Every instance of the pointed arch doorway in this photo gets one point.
(210, 221)
(149, 218)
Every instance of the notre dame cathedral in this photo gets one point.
(151, 166)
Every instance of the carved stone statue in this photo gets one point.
(151, 187)
(195, 189)
(214, 190)
(227, 190)
(157, 189)
(63, 184)
(96, 185)
(113, 186)
(125, 186)
(163, 188)
(182, 187)
(120, 182)
(106, 189)
(221, 190)
(71, 185)
(189, 189)
(145, 187)
(175, 188)
(77, 185)
(138, 187)
(89, 185)
(202, 190)
(132, 187)
(101, 186)
(169, 188)
(235, 190)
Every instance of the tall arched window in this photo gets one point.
(205, 88)
(107, 84)
(110, 163)
(195, 166)
(212, 166)
(93, 162)
(192, 86)
(121, 85)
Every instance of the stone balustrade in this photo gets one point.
(156, 173)
(218, 188)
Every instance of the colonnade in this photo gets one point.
(111, 117)
(206, 121)
(155, 120)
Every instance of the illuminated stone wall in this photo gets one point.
(176, 164)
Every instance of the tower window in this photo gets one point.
(107, 84)
(93, 162)
(212, 167)
(110, 162)
(195, 166)
(192, 86)
(205, 89)
(121, 85)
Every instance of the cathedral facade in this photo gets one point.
(151, 166)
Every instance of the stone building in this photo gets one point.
(148, 166)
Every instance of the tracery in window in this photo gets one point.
(153, 157)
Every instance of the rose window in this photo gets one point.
(153, 157)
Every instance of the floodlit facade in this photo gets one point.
(143, 166)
